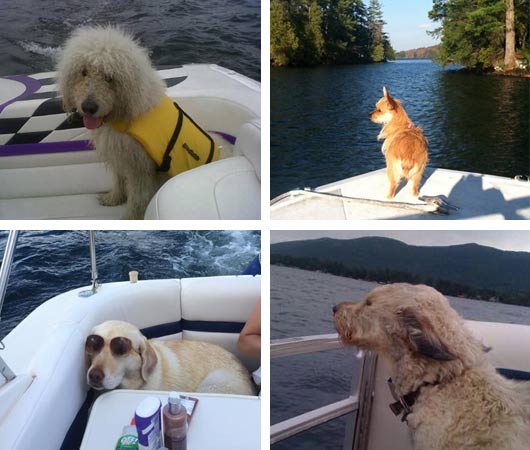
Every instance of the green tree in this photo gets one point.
(306, 32)
(283, 40)
(473, 33)
(313, 33)
(378, 52)
(380, 47)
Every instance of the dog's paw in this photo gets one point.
(111, 199)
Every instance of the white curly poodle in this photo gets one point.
(108, 78)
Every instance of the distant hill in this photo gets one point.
(422, 52)
(468, 269)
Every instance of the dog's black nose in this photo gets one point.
(96, 376)
(89, 106)
(334, 309)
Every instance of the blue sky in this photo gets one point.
(406, 23)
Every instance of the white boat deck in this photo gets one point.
(476, 196)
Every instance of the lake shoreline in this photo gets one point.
(516, 73)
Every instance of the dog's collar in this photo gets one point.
(404, 403)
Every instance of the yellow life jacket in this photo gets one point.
(171, 138)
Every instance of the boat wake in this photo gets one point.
(38, 49)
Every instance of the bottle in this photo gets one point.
(175, 420)
(128, 439)
(147, 420)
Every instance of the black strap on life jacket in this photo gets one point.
(166, 160)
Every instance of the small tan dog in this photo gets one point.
(457, 400)
(119, 356)
(404, 146)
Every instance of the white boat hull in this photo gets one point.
(476, 196)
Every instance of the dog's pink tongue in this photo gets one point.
(91, 122)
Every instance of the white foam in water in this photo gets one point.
(33, 47)
(226, 251)
(360, 353)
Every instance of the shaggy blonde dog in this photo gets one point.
(461, 402)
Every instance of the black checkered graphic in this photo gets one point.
(44, 111)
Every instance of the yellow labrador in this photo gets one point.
(119, 356)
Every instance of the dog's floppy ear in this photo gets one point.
(149, 359)
(422, 338)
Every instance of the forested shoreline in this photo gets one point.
(483, 35)
(385, 275)
(313, 32)
(480, 35)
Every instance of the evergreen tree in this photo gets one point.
(380, 47)
(306, 32)
(375, 24)
(284, 41)
(314, 33)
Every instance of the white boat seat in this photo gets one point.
(249, 144)
(208, 192)
(11, 392)
(49, 344)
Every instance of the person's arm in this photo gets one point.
(249, 341)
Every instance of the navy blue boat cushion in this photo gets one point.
(514, 374)
(167, 329)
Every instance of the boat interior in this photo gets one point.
(46, 350)
(64, 184)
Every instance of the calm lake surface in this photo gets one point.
(320, 131)
(301, 304)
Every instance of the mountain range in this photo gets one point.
(471, 265)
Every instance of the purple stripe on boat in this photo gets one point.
(32, 85)
(226, 136)
(44, 147)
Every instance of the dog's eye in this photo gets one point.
(84, 72)
(94, 343)
(368, 302)
(120, 346)
(108, 79)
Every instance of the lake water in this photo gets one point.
(320, 131)
(47, 263)
(192, 31)
(301, 303)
